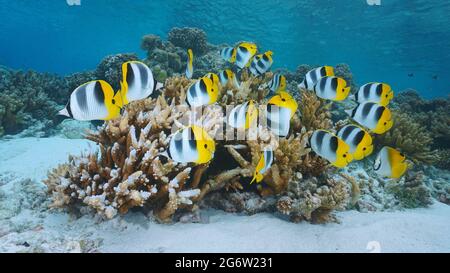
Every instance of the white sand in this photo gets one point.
(419, 230)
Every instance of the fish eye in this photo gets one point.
(385, 123)
(343, 89)
(113, 101)
(344, 155)
(386, 95)
(283, 99)
(206, 146)
(364, 148)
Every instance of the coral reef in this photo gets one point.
(110, 68)
(193, 38)
(409, 137)
(313, 199)
(411, 191)
(127, 172)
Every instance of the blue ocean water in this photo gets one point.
(380, 43)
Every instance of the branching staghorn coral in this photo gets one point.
(409, 137)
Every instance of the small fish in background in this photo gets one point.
(331, 88)
(228, 54)
(190, 64)
(359, 141)
(380, 93)
(228, 75)
(312, 76)
(390, 163)
(331, 147)
(434, 77)
(276, 84)
(137, 82)
(280, 110)
(95, 100)
(191, 145)
(375, 117)
(243, 116)
(202, 92)
(264, 164)
(411, 75)
(244, 53)
(261, 63)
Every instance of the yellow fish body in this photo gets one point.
(359, 141)
(261, 63)
(390, 163)
(312, 76)
(244, 53)
(137, 82)
(94, 100)
(243, 116)
(202, 92)
(228, 54)
(277, 84)
(331, 147)
(191, 145)
(190, 64)
(280, 109)
(264, 164)
(375, 117)
(331, 88)
(380, 93)
(226, 76)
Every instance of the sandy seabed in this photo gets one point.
(27, 225)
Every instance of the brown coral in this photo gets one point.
(410, 138)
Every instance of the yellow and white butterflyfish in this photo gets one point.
(202, 92)
(243, 115)
(191, 144)
(226, 76)
(358, 139)
(94, 100)
(312, 76)
(390, 163)
(375, 117)
(264, 164)
(244, 53)
(261, 63)
(331, 148)
(380, 93)
(276, 84)
(190, 64)
(228, 54)
(280, 109)
(332, 88)
(137, 81)
(214, 78)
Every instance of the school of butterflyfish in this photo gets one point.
(97, 100)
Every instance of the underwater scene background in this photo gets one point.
(381, 43)
(369, 168)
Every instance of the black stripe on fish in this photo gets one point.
(356, 96)
(366, 91)
(144, 75)
(191, 139)
(334, 83)
(379, 112)
(69, 111)
(347, 131)
(265, 58)
(323, 83)
(323, 71)
(354, 112)
(305, 83)
(99, 95)
(243, 49)
(82, 99)
(366, 109)
(358, 138)
(155, 82)
(130, 74)
(313, 76)
(269, 156)
(319, 138)
(260, 64)
(379, 90)
(334, 143)
(202, 87)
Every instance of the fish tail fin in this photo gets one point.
(349, 112)
(64, 112)
(159, 85)
(253, 180)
